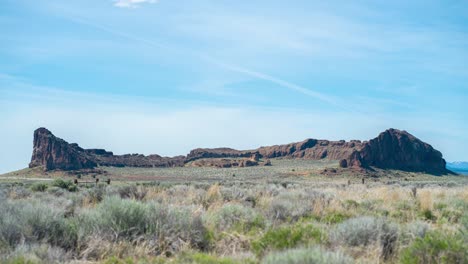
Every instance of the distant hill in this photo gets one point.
(458, 167)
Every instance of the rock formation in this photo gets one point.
(204, 153)
(392, 149)
(224, 162)
(395, 149)
(55, 153)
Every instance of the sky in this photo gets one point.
(167, 76)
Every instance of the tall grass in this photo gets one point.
(269, 221)
(314, 255)
(167, 228)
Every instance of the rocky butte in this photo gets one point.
(391, 149)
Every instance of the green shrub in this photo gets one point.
(132, 192)
(36, 253)
(235, 216)
(413, 230)
(35, 222)
(351, 204)
(335, 218)
(125, 218)
(451, 215)
(293, 205)
(96, 194)
(39, 187)
(287, 237)
(66, 185)
(364, 231)
(429, 215)
(201, 258)
(314, 255)
(436, 247)
(464, 222)
(167, 227)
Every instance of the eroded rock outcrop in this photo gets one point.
(54, 153)
(207, 153)
(224, 162)
(395, 149)
(392, 149)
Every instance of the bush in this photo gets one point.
(35, 223)
(96, 194)
(201, 258)
(235, 216)
(364, 231)
(287, 237)
(429, 215)
(414, 230)
(307, 255)
(39, 187)
(293, 205)
(66, 185)
(132, 192)
(436, 247)
(335, 218)
(167, 227)
(36, 253)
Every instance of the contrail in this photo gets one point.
(233, 68)
(274, 80)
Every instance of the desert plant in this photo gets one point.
(202, 258)
(293, 205)
(66, 185)
(414, 230)
(314, 255)
(132, 192)
(39, 187)
(235, 216)
(335, 217)
(287, 237)
(96, 194)
(36, 253)
(364, 231)
(169, 228)
(35, 223)
(436, 247)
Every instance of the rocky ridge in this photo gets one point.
(392, 149)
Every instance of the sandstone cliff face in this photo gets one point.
(206, 153)
(395, 149)
(392, 149)
(54, 153)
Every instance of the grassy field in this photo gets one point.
(291, 212)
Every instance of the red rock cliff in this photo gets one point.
(392, 149)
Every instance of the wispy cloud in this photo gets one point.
(233, 68)
(288, 85)
(132, 3)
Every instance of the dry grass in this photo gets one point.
(228, 215)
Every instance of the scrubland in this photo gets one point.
(294, 218)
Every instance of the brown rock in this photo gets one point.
(55, 153)
(343, 163)
(223, 163)
(395, 149)
(392, 149)
(203, 153)
(255, 156)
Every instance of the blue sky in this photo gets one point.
(165, 76)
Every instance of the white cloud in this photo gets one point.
(132, 3)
